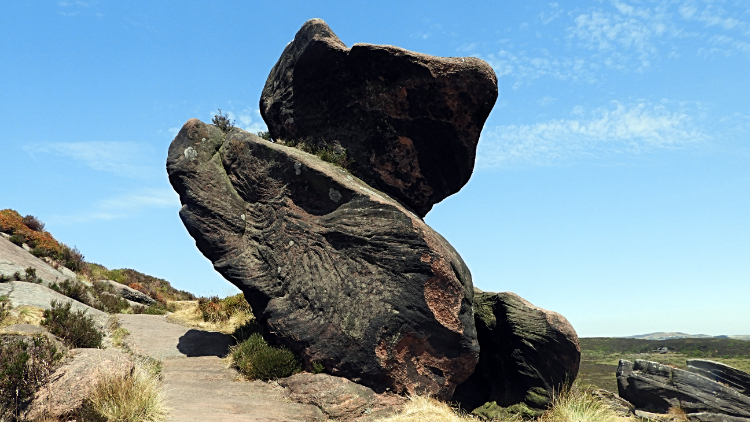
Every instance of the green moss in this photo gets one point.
(538, 398)
(493, 411)
(484, 308)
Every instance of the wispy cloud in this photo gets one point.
(124, 206)
(620, 35)
(128, 159)
(621, 129)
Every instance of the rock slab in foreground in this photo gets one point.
(341, 399)
(333, 269)
(719, 372)
(656, 387)
(410, 121)
(72, 383)
(526, 353)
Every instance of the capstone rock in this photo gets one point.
(333, 269)
(527, 353)
(409, 121)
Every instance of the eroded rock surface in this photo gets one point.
(410, 121)
(341, 399)
(333, 269)
(719, 372)
(72, 383)
(526, 353)
(656, 387)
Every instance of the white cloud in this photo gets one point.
(599, 134)
(125, 206)
(124, 158)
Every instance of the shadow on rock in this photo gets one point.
(196, 343)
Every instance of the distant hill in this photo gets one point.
(676, 335)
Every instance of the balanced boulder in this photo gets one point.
(527, 353)
(409, 121)
(335, 270)
(656, 387)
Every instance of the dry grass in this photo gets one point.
(576, 405)
(133, 397)
(189, 314)
(24, 315)
(423, 409)
(573, 405)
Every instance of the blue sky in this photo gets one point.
(613, 175)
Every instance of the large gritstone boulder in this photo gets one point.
(527, 353)
(411, 122)
(656, 387)
(333, 269)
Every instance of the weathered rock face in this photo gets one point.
(410, 121)
(332, 268)
(341, 399)
(719, 372)
(526, 353)
(656, 387)
(73, 382)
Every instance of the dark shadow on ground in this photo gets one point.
(196, 343)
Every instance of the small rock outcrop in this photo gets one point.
(21, 293)
(14, 259)
(410, 122)
(655, 387)
(72, 383)
(526, 353)
(719, 372)
(128, 293)
(339, 398)
(333, 269)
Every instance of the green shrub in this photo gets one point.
(112, 304)
(17, 239)
(71, 289)
(25, 365)
(17, 276)
(31, 275)
(157, 308)
(39, 252)
(33, 223)
(318, 367)
(329, 153)
(264, 135)
(223, 122)
(75, 328)
(71, 258)
(255, 359)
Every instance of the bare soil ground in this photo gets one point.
(199, 385)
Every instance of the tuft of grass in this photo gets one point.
(25, 366)
(256, 359)
(76, 329)
(4, 309)
(222, 122)
(328, 153)
(424, 408)
(577, 405)
(132, 397)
